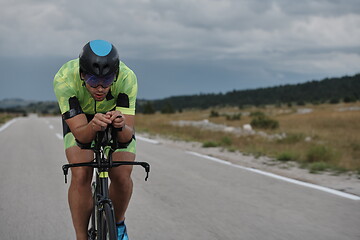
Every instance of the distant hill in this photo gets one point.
(332, 90)
(14, 103)
(18, 105)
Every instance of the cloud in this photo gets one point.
(185, 28)
(267, 40)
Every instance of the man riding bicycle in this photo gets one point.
(95, 91)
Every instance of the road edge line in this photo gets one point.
(147, 140)
(286, 179)
(7, 124)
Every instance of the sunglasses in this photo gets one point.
(95, 81)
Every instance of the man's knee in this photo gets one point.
(122, 174)
(81, 176)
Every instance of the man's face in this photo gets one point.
(99, 93)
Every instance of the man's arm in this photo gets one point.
(85, 131)
(124, 121)
(128, 130)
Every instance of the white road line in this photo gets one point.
(147, 140)
(305, 184)
(59, 136)
(3, 127)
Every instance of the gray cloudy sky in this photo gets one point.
(180, 47)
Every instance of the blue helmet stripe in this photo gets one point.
(100, 47)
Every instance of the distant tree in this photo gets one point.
(310, 92)
(334, 101)
(300, 103)
(148, 108)
(349, 99)
(44, 111)
(168, 108)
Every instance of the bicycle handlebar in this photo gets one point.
(107, 164)
(145, 165)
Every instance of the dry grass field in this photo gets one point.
(4, 117)
(319, 137)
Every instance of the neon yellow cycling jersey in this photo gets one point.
(69, 86)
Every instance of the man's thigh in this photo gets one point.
(80, 175)
(75, 154)
(125, 170)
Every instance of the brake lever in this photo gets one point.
(65, 170)
(146, 166)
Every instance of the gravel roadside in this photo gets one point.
(346, 182)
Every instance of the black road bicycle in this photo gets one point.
(102, 222)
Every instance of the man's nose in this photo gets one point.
(100, 88)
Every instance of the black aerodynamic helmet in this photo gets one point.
(99, 58)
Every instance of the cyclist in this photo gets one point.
(95, 91)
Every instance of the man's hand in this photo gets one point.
(116, 118)
(100, 122)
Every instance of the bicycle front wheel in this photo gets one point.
(107, 223)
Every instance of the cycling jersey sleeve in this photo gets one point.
(63, 92)
(126, 99)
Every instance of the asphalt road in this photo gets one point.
(186, 197)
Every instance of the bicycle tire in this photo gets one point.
(107, 230)
(92, 233)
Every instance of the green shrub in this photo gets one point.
(225, 141)
(355, 146)
(264, 122)
(231, 149)
(292, 138)
(319, 153)
(287, 156)
(214, 113)
(318, 167)
(257, 114)
(233, 117)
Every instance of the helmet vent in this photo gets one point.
(106, 70)
(96, 68)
